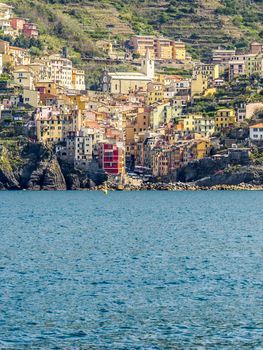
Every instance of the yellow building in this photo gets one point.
(80, 101)
(199, 85)
(50, 130)
(163, 49)
(225, 118)
(155, 92)
(159, 47)
(136, 122)
(203, 147)
(53, 127)
(48, 86)
(186, 124)
(210, 71)
(179, 50)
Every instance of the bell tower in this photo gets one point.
(148, 65)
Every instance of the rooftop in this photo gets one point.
(129, 76)
(260, 125)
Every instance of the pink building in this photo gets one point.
(30, 30)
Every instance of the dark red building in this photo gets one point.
(111, 158)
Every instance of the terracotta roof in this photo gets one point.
(260, 125)
(92, 124)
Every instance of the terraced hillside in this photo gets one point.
(202, 24)
(208, 23)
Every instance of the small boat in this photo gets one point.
(105, 191)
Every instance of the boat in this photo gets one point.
(105, 190)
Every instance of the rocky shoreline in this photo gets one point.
(35, 167)
(179, 187)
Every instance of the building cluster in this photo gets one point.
(14, 26)
(237, 64)
(40, 80)
(159, 48)
(139, 120)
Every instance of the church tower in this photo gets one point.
(148, 66)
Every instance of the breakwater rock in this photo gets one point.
(180, 187)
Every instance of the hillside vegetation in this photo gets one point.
(201, 23)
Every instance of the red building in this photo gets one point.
(111, 158)
(30, 30)
(17, 23)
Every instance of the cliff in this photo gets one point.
(33, 166)
(247, 175)
(232, 169)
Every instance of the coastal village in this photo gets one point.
(144, 124)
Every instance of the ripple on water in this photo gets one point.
(148, 270)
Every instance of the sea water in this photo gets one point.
(131, 270)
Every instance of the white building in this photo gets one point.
(6, 13)
(204, 125)
(80, 146)
(127, 82)
(24, 77)
(246, 111)
(61, 70)
(256, 132)
(1, 63)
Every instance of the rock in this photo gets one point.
(8, 180)
(53, 178)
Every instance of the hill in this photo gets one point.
(202, 24)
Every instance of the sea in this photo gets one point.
(131, 270)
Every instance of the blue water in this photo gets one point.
(135, 270)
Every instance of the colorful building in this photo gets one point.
(111, 158)
(160, 48)
(209, 71)
(128, 82)
(30, 30)
(225, 118)
(78, 79)
(256, 132)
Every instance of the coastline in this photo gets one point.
(180, 187)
